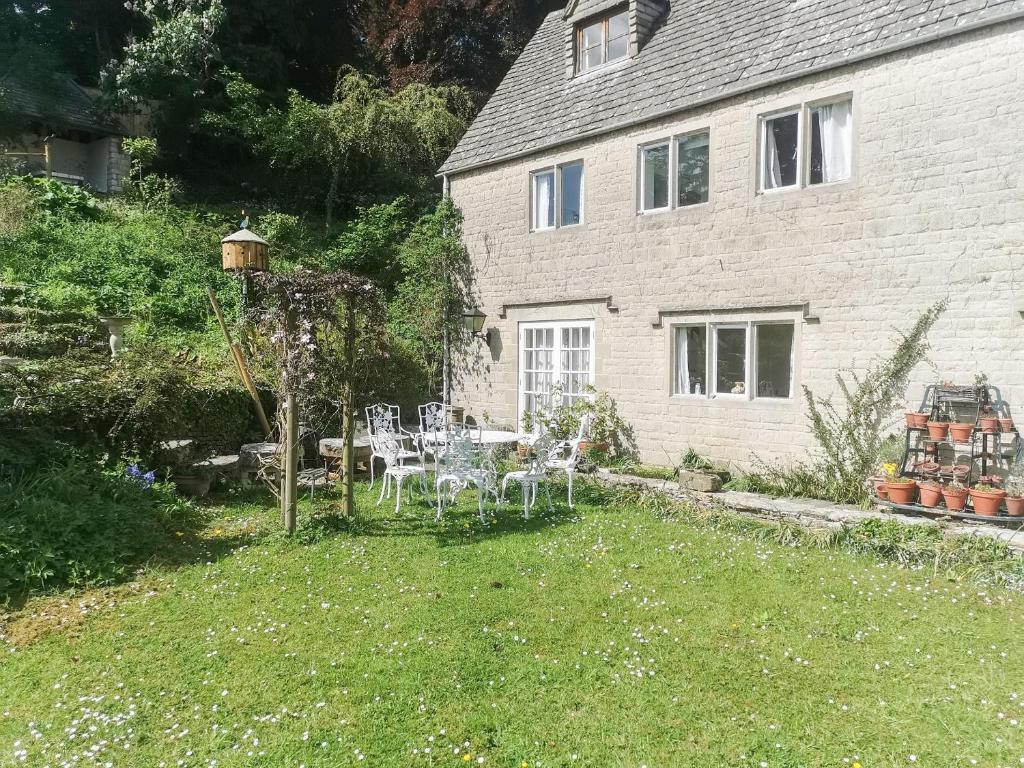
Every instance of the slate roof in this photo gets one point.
(706, 50)
(69, 105)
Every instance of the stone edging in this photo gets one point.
(810, 513)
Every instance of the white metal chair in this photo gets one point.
(392, 452)
(531, 477)
(435, 421)
(387, 418)
(566, 455)
(462, 463)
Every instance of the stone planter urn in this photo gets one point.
(115, 326)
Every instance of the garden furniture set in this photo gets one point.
(463, 456)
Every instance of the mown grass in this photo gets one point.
(608, 636)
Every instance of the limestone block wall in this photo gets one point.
(934, 210)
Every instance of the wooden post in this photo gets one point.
(291, 464)
(239, 359)
(48, 158)
(347, 426)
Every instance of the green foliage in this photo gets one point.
(605, 423)
(130, 404)
(851, 436)
(801, 481)
(175, 53)
(693, 460)
(67, 519)
(119, 259)
(365, 137)
(435, 290)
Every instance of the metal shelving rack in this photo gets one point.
(984, 451)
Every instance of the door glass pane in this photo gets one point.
(655, 176)
(731, 361)
(781, 142)
(693, 153)
(572, 194)
(775, 360)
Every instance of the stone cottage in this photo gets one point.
(702, 207)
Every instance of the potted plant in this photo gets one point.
(955, 496)
(987, 499)
(114, 305)
(931, 493)
(960, 432)
(916, 419)
(878, 484)
(1015, 496)
(901, 490)
(988, 423)
(1006, 424)
(937, 430)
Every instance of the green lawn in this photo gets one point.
(604, 637)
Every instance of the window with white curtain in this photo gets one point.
(544, 200)
(556, 196)
(808, 145)
(743, 359)
(554, 357)
(831, 142)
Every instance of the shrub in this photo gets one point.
(130, 404)
(69, 520)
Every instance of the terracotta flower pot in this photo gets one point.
(989, 424)
(916, 419)
(987, 502)
(588, 446)
(927, 467)
(879, 485)
(931, 494)
(961, 433)
(1006, 425)
(955, 471)
(937, 430)
(902, 492)
(1015, 506)
(955, 498)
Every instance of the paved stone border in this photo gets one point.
(810, 513)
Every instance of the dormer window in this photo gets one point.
(602, 42)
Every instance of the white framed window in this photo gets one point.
(675, 172)
(806, 145)
(693, 168)
(602, 41)
(743, 360)
(554, 357)
(556, 196)
(654, 177)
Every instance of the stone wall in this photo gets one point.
(933, 211)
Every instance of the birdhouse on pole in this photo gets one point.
(245, 250)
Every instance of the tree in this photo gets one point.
(365, 137)
(175, 54)
(465, 42)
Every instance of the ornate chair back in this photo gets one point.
(435, 417)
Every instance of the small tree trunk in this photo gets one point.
(291, 465)
(348, 454)
(332, 193)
